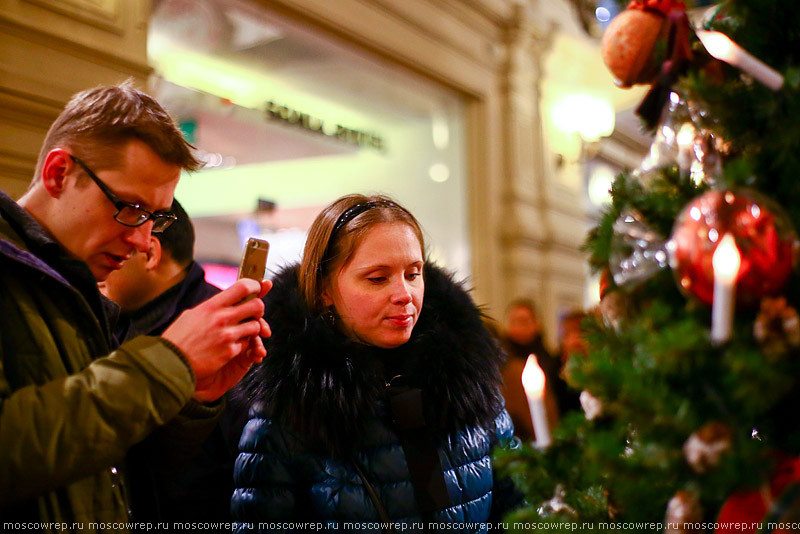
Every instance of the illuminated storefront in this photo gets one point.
(288, 121)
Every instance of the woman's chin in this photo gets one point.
(392, 341)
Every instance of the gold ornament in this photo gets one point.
(683, 510)
(777, 327)
(704, 448)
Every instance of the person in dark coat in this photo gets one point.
(522, 336)
(379, 401)
(522, 333)
(152, 289)
(573, 344)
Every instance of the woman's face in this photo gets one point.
(378, 294)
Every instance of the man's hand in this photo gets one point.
(221, 337)
(214, 386)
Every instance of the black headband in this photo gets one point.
(354, 211)
(348, 215)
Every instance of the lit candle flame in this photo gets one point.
(717, 44)
(533, 378)
(726, 260)
(533, 382)
(723, 48)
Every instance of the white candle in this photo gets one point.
(721, 47)
(533, 381)
(726, 261)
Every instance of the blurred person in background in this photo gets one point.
(522, 336)
(572, 343)
(380, 398)
(71, 403)
(152, 289)
(522, 331)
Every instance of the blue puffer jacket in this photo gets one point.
(320, 409)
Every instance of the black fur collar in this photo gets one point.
(327, 387)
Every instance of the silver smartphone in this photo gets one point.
(254, 259)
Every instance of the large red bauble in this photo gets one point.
(764, 235)
(628, 46)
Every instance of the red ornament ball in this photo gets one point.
(763, 234)
(628, 46)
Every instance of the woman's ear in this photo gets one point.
(326, 285)
(326, 297)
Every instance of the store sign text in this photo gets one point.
(316, 125)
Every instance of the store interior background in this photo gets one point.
(468, 156)
(216, 64)
(216, 82)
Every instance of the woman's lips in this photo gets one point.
(401, 320)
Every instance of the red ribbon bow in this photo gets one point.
(661, 6)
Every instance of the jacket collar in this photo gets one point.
(328, 387)
(25, 241)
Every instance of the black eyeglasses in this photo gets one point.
(130, 214)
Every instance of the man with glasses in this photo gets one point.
(70, 405)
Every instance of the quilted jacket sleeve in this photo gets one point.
(505, 495)
(267, 490)
(68, 428)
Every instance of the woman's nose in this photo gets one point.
(401, 294)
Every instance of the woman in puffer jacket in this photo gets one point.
(378, 405)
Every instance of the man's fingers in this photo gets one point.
(245, 330)
(257, 349)
(266, 331)
(252, 309)
(266, 285)
(236, 293)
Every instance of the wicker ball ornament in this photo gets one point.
(628, 46)
(705, 447)
(683, 511)
(764, 236)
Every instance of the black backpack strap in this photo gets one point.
(422, 454)
(383, 515)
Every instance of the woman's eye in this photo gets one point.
(412, 276)
(376, 279)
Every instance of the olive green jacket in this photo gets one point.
(70, 408)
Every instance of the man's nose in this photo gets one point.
(139, 236)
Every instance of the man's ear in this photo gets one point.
(153, 254)
(57, 165)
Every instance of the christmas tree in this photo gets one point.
(691, 381)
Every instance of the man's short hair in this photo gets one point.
(98, 122)
(178, 238)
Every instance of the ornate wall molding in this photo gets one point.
(50, 50)
(103, 14)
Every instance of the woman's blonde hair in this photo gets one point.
(335, 235)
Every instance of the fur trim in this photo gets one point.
(328, 388)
